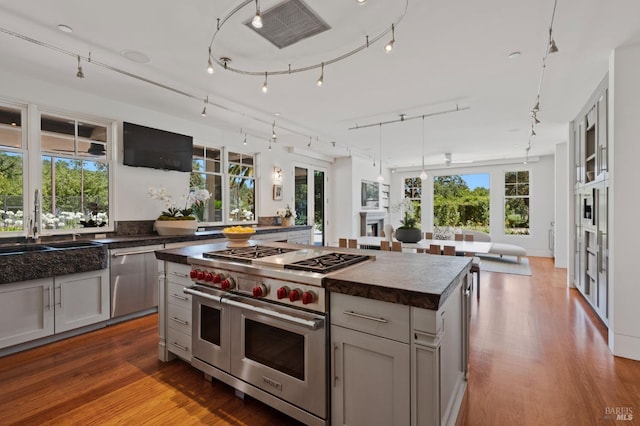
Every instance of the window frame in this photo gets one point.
(516, 196)
(416, 200)
(24, 152)
(37, 153)
(220, 173)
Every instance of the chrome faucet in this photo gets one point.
(36, 211)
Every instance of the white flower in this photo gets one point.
(286, 212)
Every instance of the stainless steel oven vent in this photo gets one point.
(289, 22)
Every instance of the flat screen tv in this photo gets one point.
(157, 149)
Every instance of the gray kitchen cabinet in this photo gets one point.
(371, 369)
(398, 365)
(81, 299)
(178, 311)
(26, 311)
(34, 309)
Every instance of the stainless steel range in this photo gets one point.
(259, 323)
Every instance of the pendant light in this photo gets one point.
(423, 175)
(257, 19)
(265, 86)
(380, 177)
(210, 69)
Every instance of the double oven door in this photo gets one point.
(277, 349)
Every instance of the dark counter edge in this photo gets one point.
(404, 297)
(147, 240)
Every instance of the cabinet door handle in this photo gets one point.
(179, 321)
(603, 164)
(48, 297)
(367, 317)
(184, 348)
(335, 365)
(180, 275)
(180, 297)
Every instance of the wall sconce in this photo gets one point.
(277, 174)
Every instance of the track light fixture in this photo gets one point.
(273, 131)
(257, 22)
(265, 87)
(309, 144)
(257, 19)
(204, 110)
(423, 175)
(321, 79)
(380, 177)
(79, 74)
(389, 46)
(550, 47)
(210, 64)
(269, 144)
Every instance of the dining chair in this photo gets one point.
(449, 250)
(352, 243)
(428, 235)
(385, 245)
(475, 269)
(468, 237)
(434, 248)
(342, 242)
(457, 237)
(396, 246)
(421, 250)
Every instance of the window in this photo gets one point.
(462, 201)
(413, 191)
(75, 173)
(207, 174)
(11, 170)
(516, 203)
(242, 186)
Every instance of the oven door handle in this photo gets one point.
(194, 292)
(311, 324)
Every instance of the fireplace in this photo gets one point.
(371, 224)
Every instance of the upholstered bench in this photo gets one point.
(508, 250)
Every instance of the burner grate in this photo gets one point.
(327, 263)
(246, 254)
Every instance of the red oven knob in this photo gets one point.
(227, 283)
(307, 297)
(200, 275)
(260, 290)
(282, 292)
(193, 274)
(217, 278)
(294, 295)
(208, 276)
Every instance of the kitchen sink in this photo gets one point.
(72, 244)
(23, 248)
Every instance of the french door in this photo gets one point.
(311, 185)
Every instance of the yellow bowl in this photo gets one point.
(238, 239)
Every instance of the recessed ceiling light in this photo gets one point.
(514, 55)
(513, 130)
(277, 114)
(136, 56)
(65, 28)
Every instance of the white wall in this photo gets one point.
(563, 198)
(624, 203)
(131, 183)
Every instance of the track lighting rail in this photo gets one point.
(403, 117)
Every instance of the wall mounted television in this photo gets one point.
(156, 149)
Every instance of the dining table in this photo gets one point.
(478, 247)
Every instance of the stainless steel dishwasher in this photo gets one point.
(134, 280)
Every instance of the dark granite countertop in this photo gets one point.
(31, 265)
(413, 279)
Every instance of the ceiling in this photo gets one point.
(447, 55)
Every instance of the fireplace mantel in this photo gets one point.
(373, 219)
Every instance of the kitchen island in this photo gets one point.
(395, 328)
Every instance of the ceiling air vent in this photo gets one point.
(289, 22)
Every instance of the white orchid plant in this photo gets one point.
(173, 212)
(286, 212)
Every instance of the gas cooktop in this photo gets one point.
(246, 254)
(317, 260)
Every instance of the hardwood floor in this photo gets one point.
(538, 356)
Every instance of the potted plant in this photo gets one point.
(408, 232)
(287, 215)
(173, 220)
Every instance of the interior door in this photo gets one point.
(311, 183)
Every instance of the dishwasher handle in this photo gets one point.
(130, 253)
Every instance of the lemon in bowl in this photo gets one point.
(238, 236)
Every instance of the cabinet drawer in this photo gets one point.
(178, 273)
(179, 318)
(175, 296)
(383, 319)
(179, 344)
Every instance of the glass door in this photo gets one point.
(311, 200)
